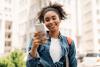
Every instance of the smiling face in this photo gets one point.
(52, 21)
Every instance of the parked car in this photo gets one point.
(91, 60)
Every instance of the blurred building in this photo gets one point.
(20, 21)
(13, 21)
(5, 26)
(90, 10)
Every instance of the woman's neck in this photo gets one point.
(54, 34)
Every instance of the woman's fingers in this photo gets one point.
(39, 38)
(39, 34)
(36, 43)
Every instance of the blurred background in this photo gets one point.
(82, 24)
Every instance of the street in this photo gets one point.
(82, 65)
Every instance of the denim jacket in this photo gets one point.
(44, 59)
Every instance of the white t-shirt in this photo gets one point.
(55, 50)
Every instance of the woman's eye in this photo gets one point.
(46, 19)
(54, 18)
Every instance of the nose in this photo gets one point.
(51, 21)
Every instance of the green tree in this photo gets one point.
(17, 58)
(4, 62)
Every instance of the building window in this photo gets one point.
(8, 35)
(8, 25)
(8, 43)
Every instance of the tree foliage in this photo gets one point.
(15, 59)
(4, 62)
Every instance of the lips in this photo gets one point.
(52, 26)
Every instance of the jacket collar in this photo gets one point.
(59, 36)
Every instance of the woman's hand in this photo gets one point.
(39, 39)
(36, 42)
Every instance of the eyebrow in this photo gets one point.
(46, 17)
(51, 16)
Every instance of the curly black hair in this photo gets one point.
(62, 14)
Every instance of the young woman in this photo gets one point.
(56, 49)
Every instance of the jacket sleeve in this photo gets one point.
(72, 55)
(32, 62)
(36, 61)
